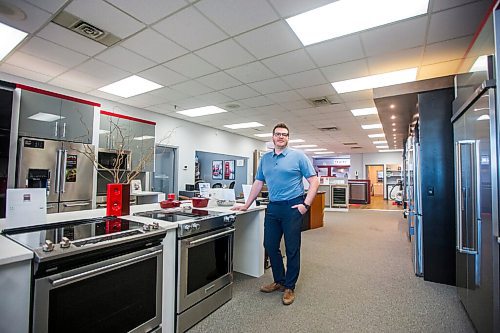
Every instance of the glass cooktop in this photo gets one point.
(178, 216)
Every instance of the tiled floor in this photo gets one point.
(377, 202)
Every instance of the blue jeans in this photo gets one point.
(281, 220)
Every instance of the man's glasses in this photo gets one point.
(285, 135)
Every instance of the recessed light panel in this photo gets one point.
(389, 150)
(381, 135)
(296, 141)
(371, 126)
(305, 146)
(315, 149)
(379, 142)
(375, 81)
(130, 86)
(382, 147)
(264, 135)
(203, 111)
(345, 17)
(324, 152)
(10, 38)
(364, 112)
(47, 117)
(244, 125)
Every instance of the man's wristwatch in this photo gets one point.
(307, 206)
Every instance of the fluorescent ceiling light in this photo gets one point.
(265, 135)
(371, 126)
(484, 117)
(296, 141)
(315, 149)
(130, 86)
(244, 125)
(10, 38)
(48, 117)
(389, 150)
(481, 64)
(144, 137)
(203, 111)
(345, 17)
(379, 142)
(382, 147)
(381, 135)
(324, 152)
(375, 81)
(305, 146)
(364, 112)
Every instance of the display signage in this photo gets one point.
(341, 162)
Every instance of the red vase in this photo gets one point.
(118, 200)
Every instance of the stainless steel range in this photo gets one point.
(204, 261)
(95, 275)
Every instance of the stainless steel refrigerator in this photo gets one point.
(59, 166)
(477, 249)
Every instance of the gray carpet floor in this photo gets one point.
(356, 276)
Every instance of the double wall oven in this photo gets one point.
(96, 275)
(204, 262)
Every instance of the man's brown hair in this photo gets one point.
(281, 125)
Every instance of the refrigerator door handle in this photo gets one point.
(56, 129)
(58, 171)
(458, 195)
(63, 170)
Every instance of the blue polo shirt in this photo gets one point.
(283, 173)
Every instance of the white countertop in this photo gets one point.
(12, 252)
(145, 193)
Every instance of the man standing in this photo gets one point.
(282, 170)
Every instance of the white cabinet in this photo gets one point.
(49, 117)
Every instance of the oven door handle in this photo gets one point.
(204, 239)
(100, 270)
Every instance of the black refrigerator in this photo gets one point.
(476, 165)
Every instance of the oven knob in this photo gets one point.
(188, 227)
(146, 227)
(48, 246)
(155, 225)
(65, 243)
(196, 226)
(229, 219)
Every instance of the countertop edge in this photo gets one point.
(11, 252)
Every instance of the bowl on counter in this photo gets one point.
(199, 202)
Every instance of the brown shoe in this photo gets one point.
(288, 296)
(269, 288)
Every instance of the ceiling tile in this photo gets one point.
(218, 81)
(447, 50)
(99, 70)
(21, 11)
(251, 72)
(214, 98)
(270, 40)
(256, 101)
(191, 88)
(154, 46)
(125, 59)
(395, 61)
(288, 8)
(317, 91)
(438, 5)
(239, 92)
(345, 71)
(336, 51)
(41, 48)
(83, 79)
(71, 85)
(35, 64)
(456, 22)
(169, 94)
(191, 66)
(105, 16)
(71, 40)
(296, 105)
(305, 79)
(284, 96)
(225, 54)
(51, 6)
(270, 86)
(162, 75)
(190, 29)
(291, 62)
(104, 95)
(152, 12)
(22, 72)
(438, 69)
(237, 16)
(404, 35)
(357, 95)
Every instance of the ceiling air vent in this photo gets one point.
(349, 143)
(331, 128)
(356, 147)
(75, 24)
(320, 101)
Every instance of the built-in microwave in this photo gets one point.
(114, 159)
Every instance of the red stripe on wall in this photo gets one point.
(480, 28)
(112, 114)
(53, 94)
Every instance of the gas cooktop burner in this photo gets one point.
(66, 238)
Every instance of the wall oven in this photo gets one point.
(96, 275)
(113, 159)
